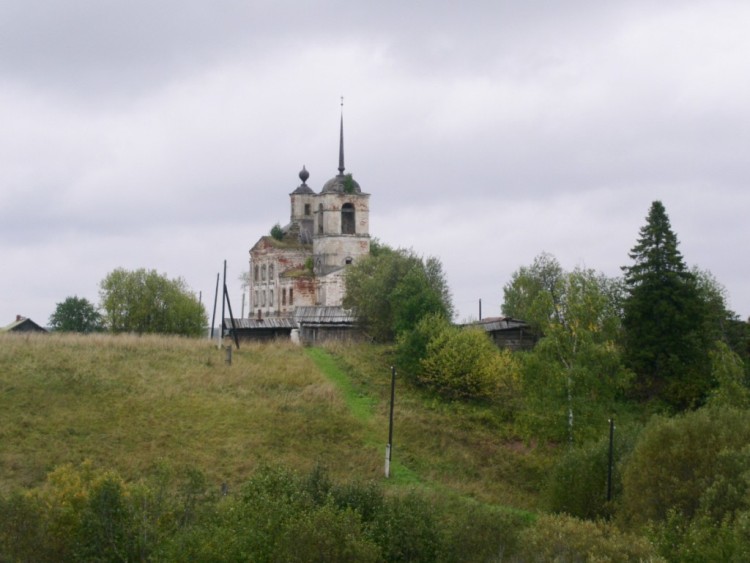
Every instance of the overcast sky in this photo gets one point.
(167, 135)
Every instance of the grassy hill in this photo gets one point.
(134, 403)
(153, 448)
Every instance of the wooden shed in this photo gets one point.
(320, 324)
(509, 333)
(260, 328)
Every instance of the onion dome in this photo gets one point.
(303, 188)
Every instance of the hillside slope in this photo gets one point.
(134, 403)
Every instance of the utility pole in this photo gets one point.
(389, 446)
(611, 458)
(216, 297)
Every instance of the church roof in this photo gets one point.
(341, 183)
(303, 188)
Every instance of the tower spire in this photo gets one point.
(341, 139)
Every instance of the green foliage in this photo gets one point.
(76, 314)
(143, 301)
(411, 346)
(349, 186)
(728, 372)
(534, 292)
(574, 373)
(277, 232)
(465, 364)
(86, 514)
(392, 290)
(681, 540)
(458, 363)
(666, 319)
(692, 464)
(577, 485)
(562, 538)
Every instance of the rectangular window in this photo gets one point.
(291, 296)
(283, 297)
(307, 209)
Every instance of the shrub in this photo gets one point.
(406, 530)
(465, 364)
(277, 232)
(563, 538)
(688, 464)
(411, 346)
(577, 484)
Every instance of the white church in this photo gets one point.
(299, 270)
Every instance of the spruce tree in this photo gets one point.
(664, 318)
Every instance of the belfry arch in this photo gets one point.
(348, 223)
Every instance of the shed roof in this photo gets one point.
(324, 315)
(493, 324)
(23, 324)
(265, 322)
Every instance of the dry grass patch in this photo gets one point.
(133, 403)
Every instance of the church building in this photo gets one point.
(302, 265)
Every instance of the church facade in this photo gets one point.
(303, 264)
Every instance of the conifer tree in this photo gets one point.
(666, 343)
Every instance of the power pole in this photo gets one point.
(389, 446)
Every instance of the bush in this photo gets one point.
(475, 532)
(577, 485)
(406, 530)
(563, 538)
(277, 233)
(411, 346)
(462, 363)
(694, 463)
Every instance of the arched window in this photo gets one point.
(270, 272)
(291, 296)
(270, 299)
(347, 219)
(263, 272)
(283, 296)
(320, 219)
(255, 268)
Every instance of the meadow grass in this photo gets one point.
(466, 448)
(135, 404)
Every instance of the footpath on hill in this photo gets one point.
(362, 408)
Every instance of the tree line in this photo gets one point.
(661, 332)
(134, 301)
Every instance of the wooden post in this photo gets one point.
(611, 458)
(389, 446)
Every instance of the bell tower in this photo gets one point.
(341, 229)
